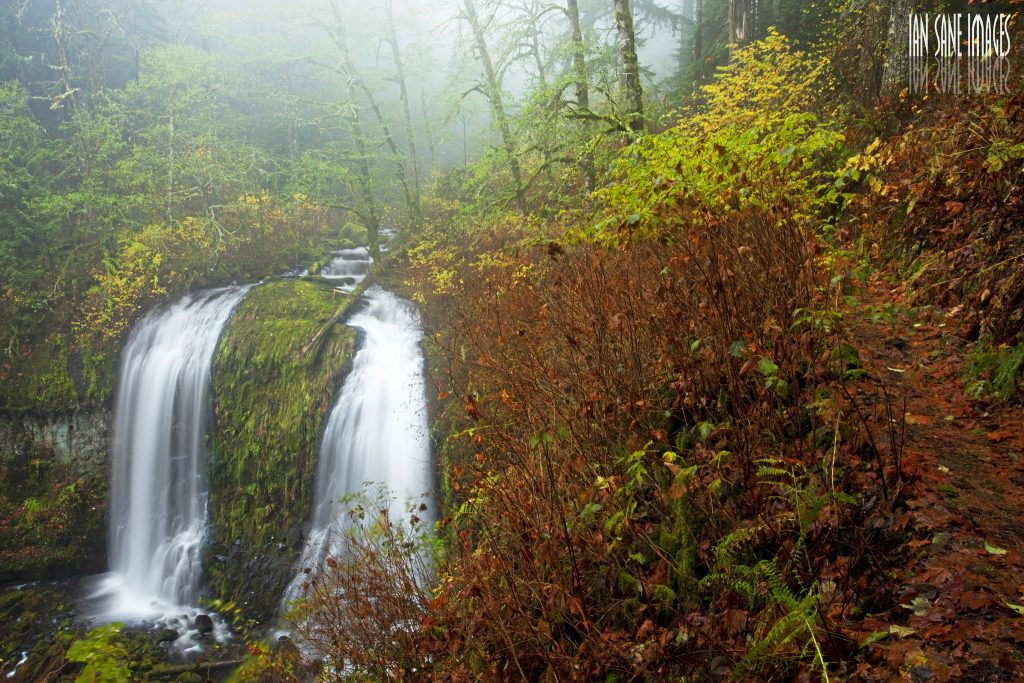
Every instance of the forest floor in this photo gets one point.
(958, 581)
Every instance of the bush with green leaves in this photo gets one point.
(995, 371)
(105, 660)
(756, 142)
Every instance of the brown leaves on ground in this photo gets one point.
(959, 576)
(949, 198)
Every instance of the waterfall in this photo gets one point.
(377, 429)
(158, 490)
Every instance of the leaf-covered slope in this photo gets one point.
(274, 376)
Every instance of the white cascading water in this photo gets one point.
(348, 268)
(158, 491)
(377, 429)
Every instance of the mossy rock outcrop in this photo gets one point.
(54, 476)
(275, 372)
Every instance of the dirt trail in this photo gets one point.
(960, 590)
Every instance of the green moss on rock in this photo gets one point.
(274, 377)
(52, 519)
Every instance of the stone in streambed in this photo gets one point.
(204, 624)
(167, 635)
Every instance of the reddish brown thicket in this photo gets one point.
(576, 551)
(610, 415)
(949, 206)
(363, 610)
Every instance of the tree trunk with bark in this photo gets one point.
(872, 20)
(365, 178)
(698, 32)
(582, 84)
(739, 22)
(632, 88)
(897, 55)
(410, 130)
(356, 82)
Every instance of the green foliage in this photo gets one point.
(787, 628)
(19, 135)
(121, 292)
(787, 619)
(274, 375)
(763, 84)
(162, 185)
(352, 234)
(105, 661)
(995, 371)
(1001, 153)
(322, 174)
(755, 143)
(39, 377)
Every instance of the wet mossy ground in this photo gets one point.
(275, 373)
(39, 622)
(30, 618)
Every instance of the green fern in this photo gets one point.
(786, 610)
(995, 371)
(728, 547)
(788, 618)
(775, 472)
(796, 626)
(796, 558)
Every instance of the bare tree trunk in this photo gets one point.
(582, 84)
(60, 35)
(170, 169)
(765, 16)
(698, 31)
(410, 131)
(739, 22)
(365, 179)
(630, 66)
(538, 60)
(427, 130)
(686, 8)
(532, 13)
(493, 93)
(293, 133)
(897, 55)
(872, 17)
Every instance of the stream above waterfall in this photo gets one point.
(348, 268)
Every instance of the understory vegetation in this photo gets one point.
(52, 519)
(653, 461)
(663, 457)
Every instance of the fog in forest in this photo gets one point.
(511, 340)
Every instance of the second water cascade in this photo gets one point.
(377, 430)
